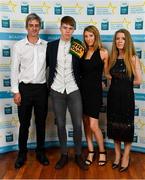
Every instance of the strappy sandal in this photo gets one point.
(89, 162)
(103, 162)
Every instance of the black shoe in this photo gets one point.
(62, 161)
(90, 161)
(20, 160)
(103, 162)
(41, 157)
(122, 169)
(115, 165)
(81, 162)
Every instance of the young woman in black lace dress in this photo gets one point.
(125, 72)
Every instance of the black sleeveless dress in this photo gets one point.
(91, 84)
(120, 104)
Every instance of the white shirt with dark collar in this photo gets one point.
(28, 63)
(64, 79)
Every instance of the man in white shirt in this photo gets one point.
(29, 87)
(63, 83)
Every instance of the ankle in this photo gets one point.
(117, 158)
(125, 161)
(90, 155)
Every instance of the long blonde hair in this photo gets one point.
(95, 31)
(129, 52)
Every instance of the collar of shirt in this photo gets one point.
(29, 43)
(64, 43)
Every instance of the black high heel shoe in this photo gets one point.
(116, 165)
(89, 162)
(103, 162)
(122, 169)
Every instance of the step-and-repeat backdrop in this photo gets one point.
(107, 16)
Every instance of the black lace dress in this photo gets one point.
(120, 104)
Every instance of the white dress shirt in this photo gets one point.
(28, 63)
(64, 79)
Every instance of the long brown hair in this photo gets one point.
(95, 31)
(129, 52)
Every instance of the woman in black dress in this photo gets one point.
(125, 72)
(93, 63)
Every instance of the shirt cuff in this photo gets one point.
(15, 90)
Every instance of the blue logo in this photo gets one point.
(6, 51)
(139, 52)
(8, 109)
(9, 137)
(138, 24)
(70, 133)
(58, 9)
(135, 139)
(136, 111)
(105, 24)
(124, 8)
(90, 9)
(6, 81)
(42, 24)
(5, 22)
(25, 7)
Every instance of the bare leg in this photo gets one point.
(89, 138)
(117, 145)
(94, 125)
(125, 158)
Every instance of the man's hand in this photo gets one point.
(17, 98)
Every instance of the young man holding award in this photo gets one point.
(62, 58)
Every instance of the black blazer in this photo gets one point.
(51, 62)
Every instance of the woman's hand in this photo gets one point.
(108, 76)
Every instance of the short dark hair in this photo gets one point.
(68, 20)
(33, 16)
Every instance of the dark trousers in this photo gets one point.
(73, 102)
(32, 96)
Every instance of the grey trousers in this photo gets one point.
(73, 102)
